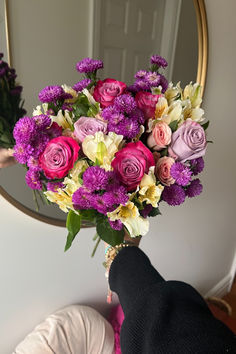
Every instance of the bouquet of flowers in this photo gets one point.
(109, 153)
(11, 104)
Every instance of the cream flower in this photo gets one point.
(149, 192)
(102, 148)
(193, 92)
(72, 92)
(173, 92)
(64, 121)
(129, 215)
(40, 109)
(89, 97)
(61, 198)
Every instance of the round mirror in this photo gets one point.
(44, 40)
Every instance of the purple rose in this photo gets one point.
(88, 126)
(188, 142)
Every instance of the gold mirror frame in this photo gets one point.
(201, 79)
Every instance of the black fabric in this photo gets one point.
(163, 316)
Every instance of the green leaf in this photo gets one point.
(173, 125)
(108, 234)
(154, 212)
(88, 214)
(101, 151)
(210, 142)
(206, 125)
(164, 152)
(73, 226)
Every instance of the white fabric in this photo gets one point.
(73, 330)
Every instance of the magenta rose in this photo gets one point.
(188, 142)
(107, 90)
(131, 163)
(88, 126)
(59, 157)
(160, 136)
(147, 103)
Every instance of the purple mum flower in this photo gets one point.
(22, 152)
(82, 199)
(116, 225)
(159, 61)
(39, 144)
(137, 115)
(98, 203)
(79, 86)
(32, 178)
(116, 118)
(128, 128)
(141, 74)
(88, 65)
(195, 188)
(163, 83)
(116, 196)
(51, 94)
(146, 211)
(181, 173)
(142, 85)
(153, 79)
(33, 164)
(95, 178)
(173, 195)
(133, 88)
(197, 165)
(53, 186)
(42, 121)
(125, 103)
(112, 181)
(25, 130)
(108, 112)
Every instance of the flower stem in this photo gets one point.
(95, 247)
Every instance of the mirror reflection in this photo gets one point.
(47, 38)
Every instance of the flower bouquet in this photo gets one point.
(109, 153)
(11, 104)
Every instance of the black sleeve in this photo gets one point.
(163, 316)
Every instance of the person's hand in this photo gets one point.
(6, 157)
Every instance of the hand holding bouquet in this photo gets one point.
(109, 153)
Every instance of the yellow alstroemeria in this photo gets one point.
(129, 215)
(167, 113)
(64, 121)
(102, 147)
(173, 92)
(149, 192)
(193, 92)
(61, 198)
(40, 109)
(72, 92)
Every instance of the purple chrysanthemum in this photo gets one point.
(116, 225)
(133, 88)
(163, 83)
(39, 144)
(22, 152)
(146, 211)
(82, 199)
(125, 103)
(181, 173)
(141, 74)
(51, 94)
(116, 118)
(99, 204)
(195, 188)
(42, 121)
(137, 115)
(79, 86)
(153, 79)
(159, 61)
(197, 165)
(95, 178)
(112, 181)
(32, 178)
(25, 130)
(53, 186)
(142, 84)
(116, 196)
(128, 128)
(88, 65)
(173, 195)
(33, 164)
(108, 112)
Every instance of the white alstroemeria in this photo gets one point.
(129, 215)
(193, 92)
(102, 147)
(175, 112)
(149, 192)
(173, 92)
(71, 91)
(64, 121)
(197, 114)
(40, 109)
(61, 198)
(161, 107)
(89, 96)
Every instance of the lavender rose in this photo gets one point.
(88, 126)
(188, 142)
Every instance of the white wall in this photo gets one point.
(198, 244)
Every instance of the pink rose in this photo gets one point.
(88, 126)
(147, 103)
(188, 142)
(131, 163)
(162, 170)
(160, 136)
(107, 90)
(59, 157)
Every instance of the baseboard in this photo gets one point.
(225, 284)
